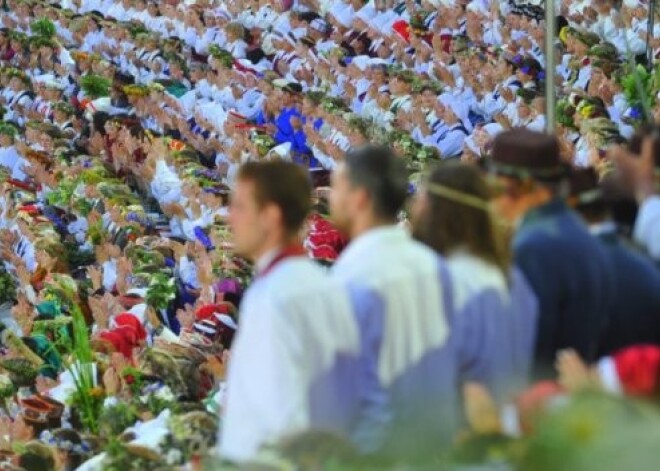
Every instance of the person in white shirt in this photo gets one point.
(295, 363)
(410, 403)
(643, 172)
(496, 311)
(9, 156)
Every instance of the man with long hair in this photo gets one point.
(493, 328)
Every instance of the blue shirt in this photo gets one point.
(572, 277)
(635, 317)
(285, 131)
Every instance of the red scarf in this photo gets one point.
(288, 252)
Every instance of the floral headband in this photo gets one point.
(66, 445)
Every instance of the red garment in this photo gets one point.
(323, 239)
(8, 54)
(108, 147)
(446, 40)
(402, 28)
(119, 340)
(288, 252)
(638, 369)
(127, 319)
(207, 311)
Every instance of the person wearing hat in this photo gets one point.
(401, 88)
(289, 122)
(20, 98)
(301, 376)
(318, 31)
(568, 270)
(635, 318)
(394, 274)
(9, 156)
(577, 44)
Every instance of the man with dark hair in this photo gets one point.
(410, 400)
(566, 267)
(295, 360)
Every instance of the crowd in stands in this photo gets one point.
(328, 234)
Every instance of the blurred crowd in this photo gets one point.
(315, 234)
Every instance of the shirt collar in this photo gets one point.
(389, 235)
(265, 260)
(602, 228)
(550, 208)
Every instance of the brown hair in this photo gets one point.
(450, 223)
(284, 184)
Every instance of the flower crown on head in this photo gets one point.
(65, 445)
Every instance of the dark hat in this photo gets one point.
(293, 87)
(585, 189)
(522, 153)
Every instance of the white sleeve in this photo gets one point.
(609, 377)
(647, 226)
(451, 145)
(264, 397)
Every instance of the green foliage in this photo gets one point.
(21, 371)
(123, 457)
(116, 419)
(7, 286)
(638, 86)
(565, 112)
(95, 86)
(161, 291)
(224, 57)
(87, 399)
(44, 28)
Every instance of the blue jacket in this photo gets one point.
(297, 138)
(571, 274)
(285, 132)
(635, 317)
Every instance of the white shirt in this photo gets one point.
(12, 160)
(647, 226)
(407, 281)
(284, 377)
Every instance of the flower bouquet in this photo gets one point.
(115, 419)
(263, 142)
(192, 434)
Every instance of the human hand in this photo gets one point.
(480, 409)
(186, 317)
(573, 373)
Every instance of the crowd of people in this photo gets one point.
(328, 234)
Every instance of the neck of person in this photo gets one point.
(534, 200)
(271, 247)
(367, 223)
